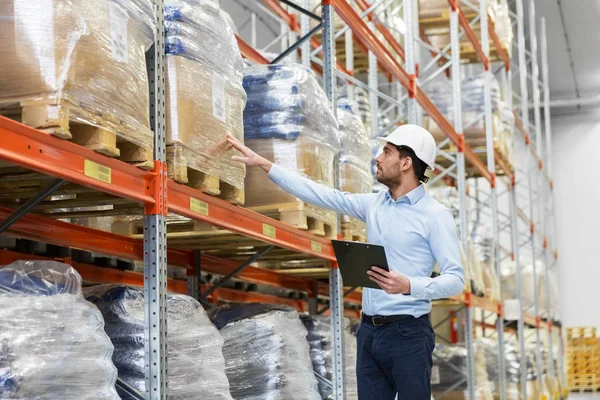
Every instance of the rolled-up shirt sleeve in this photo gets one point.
(444, 244)
(354, 205)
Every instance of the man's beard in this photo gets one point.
(392, 181)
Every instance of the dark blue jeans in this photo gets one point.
(395, 359)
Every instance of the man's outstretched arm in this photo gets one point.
(319, 195)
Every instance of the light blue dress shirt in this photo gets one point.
(415, 230)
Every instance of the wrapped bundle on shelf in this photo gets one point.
(355, 164)
(473, 106)
(445, 377)
(204, 98)
(77, 69)
(52, 341)
(266, 353)
(363, 106)
(289, 121)
(196, 364)
(320, 341)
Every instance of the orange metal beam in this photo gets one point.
(43, 153)
(47, 230)
(198, 206)
(249, 52)
(362, 31)
(238, 296)
(499, 49)
(464, 22)
(364, 6)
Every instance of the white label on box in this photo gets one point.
(435, 375)
(118, 32)
(218, 96)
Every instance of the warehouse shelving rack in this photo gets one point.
(380, 58)
(38, 152)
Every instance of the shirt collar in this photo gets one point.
(411, 197)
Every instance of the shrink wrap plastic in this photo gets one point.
(78, 60)
(443, 376)
(204, 97)
(52, 341)
(196, 364)
(289, 121)
(320, 340)
(266, 353)
(355, 159)
(472, 98)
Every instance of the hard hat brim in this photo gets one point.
(383, 141)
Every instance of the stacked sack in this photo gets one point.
(473, 105)
(78, 61)
(320, 341)
(52, 341)
(266, 353)
(204, 97)
(196, 364)
(288, 120)
(355, 163)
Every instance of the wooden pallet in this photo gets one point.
(353, 229)
(579, 332)
(56, 117)
(181, 172)
(303, 216)
(440, 18)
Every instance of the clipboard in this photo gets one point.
(356, 258)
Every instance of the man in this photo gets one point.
(395, 340)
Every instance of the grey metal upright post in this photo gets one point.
(491, 165)
(548, 192)
(525, 119)
(304, 28)
(155, 232)
(373, 84)
(349, 48)
(253, 41)
(462, 189)
(336, 298)
(416, 55)
(533, 182)
(409, 55)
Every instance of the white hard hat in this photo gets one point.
(418, 139)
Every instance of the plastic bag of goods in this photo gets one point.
(266, 353)
(196, 364)
(321, 342)
(472, 101)
(288, 120)
(448, 360)
(363, 106)
(204, 98)
(79, 62)
(52, 341)
(354, 163)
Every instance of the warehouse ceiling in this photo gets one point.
(573, 36)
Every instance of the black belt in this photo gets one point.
(379, 320)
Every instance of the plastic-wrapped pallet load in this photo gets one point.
(196, 364)
(266, 353)
(363, 106)
(445, 377)
(473, 101)
(52, 341)
(288, 120)
(204, 98)
(355, 164)
(320, 341)
(80, 62)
